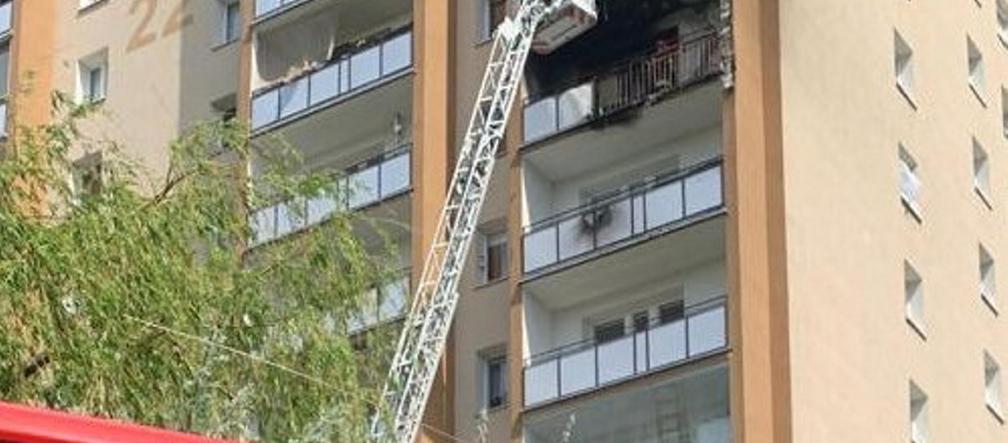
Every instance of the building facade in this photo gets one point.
(711, 220)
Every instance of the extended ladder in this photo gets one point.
(425, 332)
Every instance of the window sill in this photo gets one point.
(1003, 36)
(905, 92)
(996, 412)
(912, 208)
(222, 45)
(480, 42)
(917, 327)
(490, 283)
(979, 96)
(983, 196)
(91, 7)
(490, 410)
(989, 302)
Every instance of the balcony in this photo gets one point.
(365, 184)
(685, 408)
(642, 211)
(640, 81)
(663, 343)
(350, 74)
(382, 305)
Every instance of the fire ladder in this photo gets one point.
(425, 332)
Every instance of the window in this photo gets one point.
(977, 81)
(918, 415)
(494, 379)
(1002, 19)
(493, 259)
(609, 331)
(230, 21)
(992, 386)
(988, 289)
(913, 298)
(87, 176)
(981, 172)
(93, 81)
(904, 67)
(910, 183)
(672, 311)
(491, 14)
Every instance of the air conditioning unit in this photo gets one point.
(596, 219)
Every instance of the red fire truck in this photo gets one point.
(21, 424)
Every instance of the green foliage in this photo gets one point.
(145, 306)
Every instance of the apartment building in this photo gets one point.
(710, 221)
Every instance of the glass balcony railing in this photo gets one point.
(640, 80)
(266, 7)
(673, 199)
(364, 184)
(381, 305)
(6, 17)
(591, 365)
(343, 76)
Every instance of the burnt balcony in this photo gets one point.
(638, 212)
(658, 344)
(642, 80)
(365, 184)
(350, 73)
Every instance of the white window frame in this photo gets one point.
(977, 73)
(988, 279)
(913, 290)
(992, 387)
(86, 68)
(489, 239)
(919, 432)
(910, 183)
(225, 9)
(904, 67)
(488, 359)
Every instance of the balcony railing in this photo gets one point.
(674, 199)
(591, 365)
(632, 83)
(364, 184)
(345, 75)
(382, 305)
(6, 18)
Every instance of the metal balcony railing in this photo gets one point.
(364, 184)
(641, 80)
(345, 75)
(6, 18)
(590, 365)
(676, 198)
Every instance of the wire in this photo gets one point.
(232, 350)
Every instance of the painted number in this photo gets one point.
(144, 35)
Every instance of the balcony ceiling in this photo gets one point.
(625, 270)
(356, 124)
(589, 149)
(667, 410)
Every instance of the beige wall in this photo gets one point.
(482, 321)
(165, 69)
(852, 352)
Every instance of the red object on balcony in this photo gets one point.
(22, 424)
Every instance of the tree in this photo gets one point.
(145, 305)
